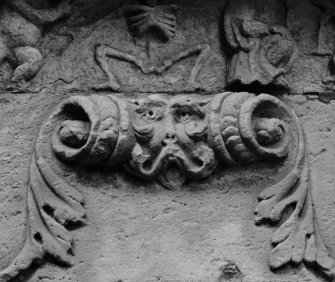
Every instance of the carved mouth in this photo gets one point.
(148, 167)
(173, 166)
(173, 173)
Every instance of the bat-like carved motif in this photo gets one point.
(171, 141)
(143, 19)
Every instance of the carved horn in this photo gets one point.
(95, 131)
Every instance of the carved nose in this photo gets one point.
(170, 138)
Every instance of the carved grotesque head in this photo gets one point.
(171, 139)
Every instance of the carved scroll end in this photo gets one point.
(297, 239)
(82, 130)
(52, 207)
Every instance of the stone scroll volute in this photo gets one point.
(170, 141)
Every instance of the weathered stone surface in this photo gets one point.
(70, 47)
(146, 168)
(203, 225)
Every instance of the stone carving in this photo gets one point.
(328, 13)
(22, 24)
(150, 23)
(261, 49)
(152, 20)
(102, 52)
(323, 49)
(328, 75)
(230, 272)
(171, 140)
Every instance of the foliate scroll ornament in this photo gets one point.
(261, 50)
(22, 24)
(171, 141)
(83, 130)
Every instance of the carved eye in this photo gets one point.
(185, 116)
(151, 115)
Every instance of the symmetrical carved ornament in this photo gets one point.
(171, 140)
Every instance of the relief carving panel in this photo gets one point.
(170, 45)
(150, 24)
(161, 102)
(171, 140)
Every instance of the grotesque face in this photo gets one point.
(171, 137)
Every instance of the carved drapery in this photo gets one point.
(262, 50)
(170, 140)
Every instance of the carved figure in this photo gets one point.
(261, 49)
(328, 13)
(21, 27)
(171, 141)
(149, 22)
(103, 52)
